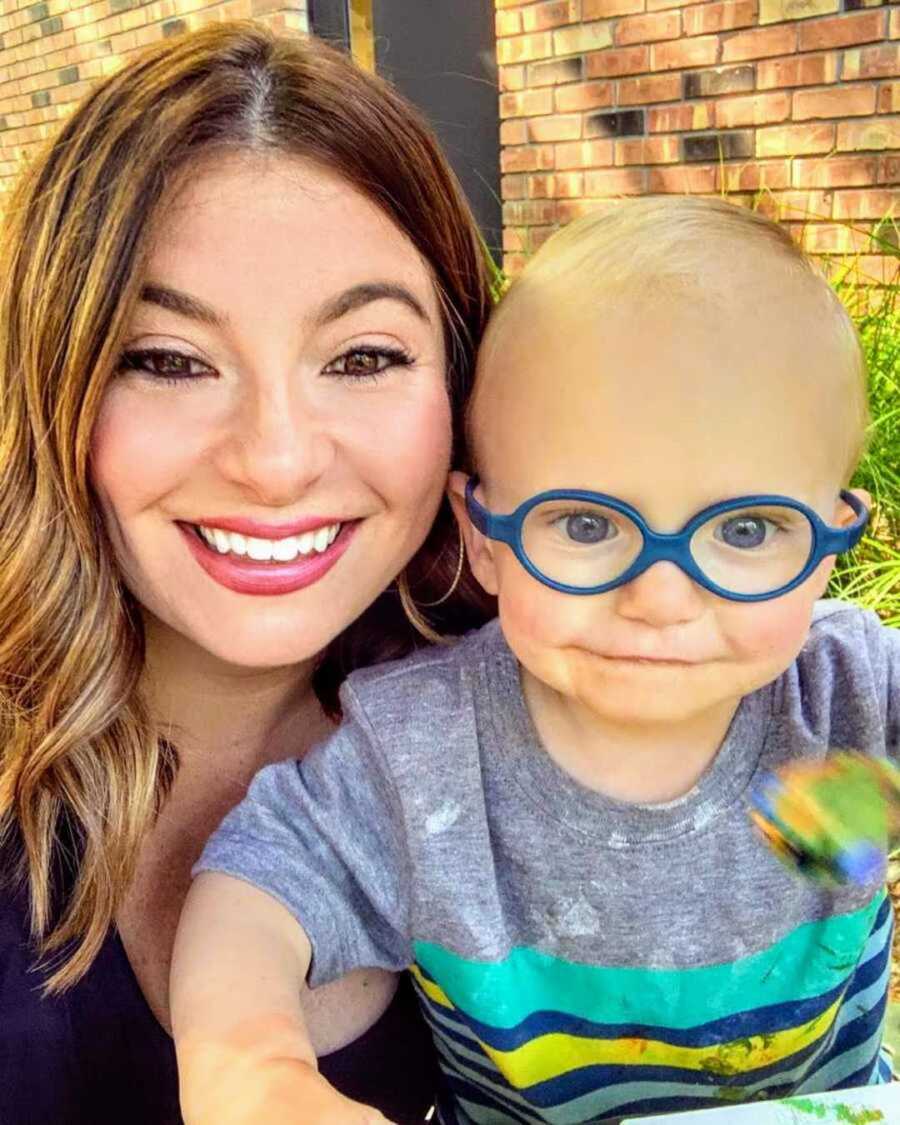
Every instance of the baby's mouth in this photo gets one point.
(251, 547)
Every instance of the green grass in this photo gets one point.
(870, 576)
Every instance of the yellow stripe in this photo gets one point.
(432, 991)
(551, 1055)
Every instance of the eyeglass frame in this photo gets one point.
(672, 547)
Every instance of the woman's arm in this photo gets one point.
(243, 1051)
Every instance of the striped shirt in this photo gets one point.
(581, 959)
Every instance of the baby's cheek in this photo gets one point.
(770, 633)
(541, 626)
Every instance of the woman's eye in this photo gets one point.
(367, 363)
(745, 532)
(581, 527)
(171, 366)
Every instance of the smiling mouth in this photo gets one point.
(255, 549)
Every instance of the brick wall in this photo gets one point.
(793, 105)
(51, 51)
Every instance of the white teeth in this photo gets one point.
(259, 549)
(268, 550)
(285, 550)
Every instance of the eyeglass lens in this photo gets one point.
(744, 551)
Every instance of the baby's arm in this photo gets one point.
(244, 1055)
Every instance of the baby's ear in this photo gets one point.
(478, 547)
(844, 514)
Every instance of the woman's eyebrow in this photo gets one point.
(359, 295)
(174, 300)
(182, 303)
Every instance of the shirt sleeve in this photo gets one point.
(323, 835)
(885, 647)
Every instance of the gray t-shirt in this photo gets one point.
(580, 959)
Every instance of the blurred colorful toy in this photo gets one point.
(831, 818)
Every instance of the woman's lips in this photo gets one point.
(246, 576)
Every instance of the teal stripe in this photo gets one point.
(811, 960)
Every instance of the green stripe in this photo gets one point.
(811, 960)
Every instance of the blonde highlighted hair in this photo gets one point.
(665, 245)
(83, 770)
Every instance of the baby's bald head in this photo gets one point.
(729, 279)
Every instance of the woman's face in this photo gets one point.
(276, 443)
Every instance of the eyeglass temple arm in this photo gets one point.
(842, 539)
(478, 514)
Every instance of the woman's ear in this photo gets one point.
(479, 548)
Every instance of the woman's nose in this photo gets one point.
(663, 595)
(277, 445)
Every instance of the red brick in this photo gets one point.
(625, 60)
(615, 181)
(605, 9)
(554, 72)
(889, 170)
(523, 48)
(889, 97)
(794, 140)
(649, 88)
(700, 19)
(797, 70)
(513, 187)
(658, 5)
(686, 179)
(677, 118)
(872, 204)
(514, 238)
(514, 132)
(834, 238)
(512, 78)
(874, 135)
(539, 17)
(556, 185)
(835, 101)
(590, 95)
(528, 212)
(570, 209)
(581, 37)
(753, 109)
(647, 150)
(842, 31)
(783, 205)
(527, 158)
(776, 11)
(528, 103)
(685, 52)
(648, 28)
(558, 127)
(761, 42)
(508, 23)
(842, 171)
(758, 174)
(882, 61)
(584, 154)
(894, 24)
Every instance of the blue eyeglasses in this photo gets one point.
(747, 549)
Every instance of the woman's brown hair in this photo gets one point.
(80, 758)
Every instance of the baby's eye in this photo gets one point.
(368, 362)
(164, 364)
(586, 527)
(745, 531)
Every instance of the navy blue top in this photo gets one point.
(96, 1055)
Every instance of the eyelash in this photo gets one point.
(138, 359)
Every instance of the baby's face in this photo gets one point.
(669, 406)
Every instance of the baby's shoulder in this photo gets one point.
(435, 684)
(844, 635)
